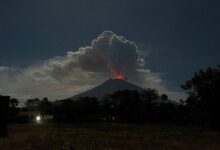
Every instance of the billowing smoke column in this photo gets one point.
(111, 53)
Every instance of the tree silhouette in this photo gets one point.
(204, 96)
(164, 97)
(45, 106)
(149, 96)
(86, 109)
(83, 109)
(13, 111)
(13, 103)
(123, 106)
(32, 104)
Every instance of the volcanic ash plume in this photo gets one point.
(112, 53)
(60, 77)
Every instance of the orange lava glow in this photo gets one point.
(116, 73)
(120, 77)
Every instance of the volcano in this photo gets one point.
(108, 87)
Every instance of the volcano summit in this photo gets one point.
(108, 87)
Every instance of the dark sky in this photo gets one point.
(180, 36)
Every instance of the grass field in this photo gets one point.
(109, 137)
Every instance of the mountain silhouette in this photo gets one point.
(108, 87)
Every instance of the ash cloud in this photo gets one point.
(107, 49)
(64, 76)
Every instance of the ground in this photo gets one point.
(109, 137)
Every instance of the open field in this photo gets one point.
(109, 137)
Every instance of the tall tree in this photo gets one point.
(204, 95)
(32, 104)
(123, 106)
(45, 106)
(149, 96)
(13, 103)
(13, 111)
(164, 97)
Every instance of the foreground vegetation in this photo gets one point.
(109, 137)
(162, 126)
(200, 108)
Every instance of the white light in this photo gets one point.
(38, 118)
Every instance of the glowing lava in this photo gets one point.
(116, 73)
(120, 77)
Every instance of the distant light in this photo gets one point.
(38, 118)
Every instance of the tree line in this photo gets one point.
(200, 108)
(121, 106)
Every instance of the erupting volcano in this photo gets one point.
(108, 87)
(117, 73)
(120, 77)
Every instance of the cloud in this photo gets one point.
(2, 69)
(64, 76)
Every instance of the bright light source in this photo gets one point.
(38, 118)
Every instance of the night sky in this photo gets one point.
(175, 38)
